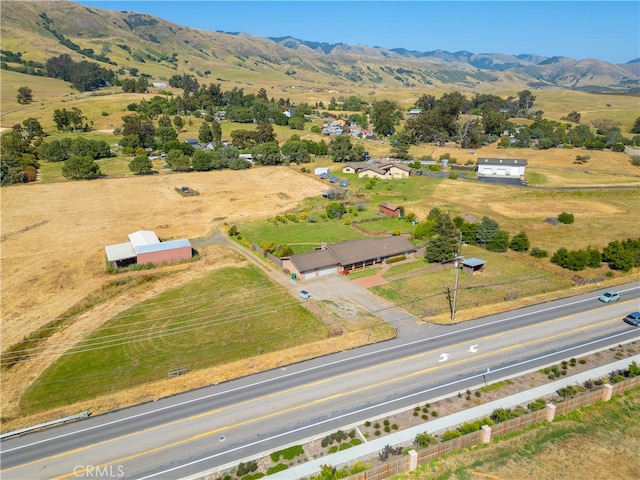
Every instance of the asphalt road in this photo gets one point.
(210, 427)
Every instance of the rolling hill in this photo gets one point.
(156, 47)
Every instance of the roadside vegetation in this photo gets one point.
(570, 444)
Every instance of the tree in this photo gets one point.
(400, 147)
(54, 151)
(424, 230)
(202, 160)
(296, 150)
(205, 135)
(227, 155)
(573, 116)
(239, 164)
(636, 126)
(216, 131)
(178, 161)
(267, 154)
(485, 231)
(136, 124)
(265, 133)
(384, 115)
(622, 256)
(141, 165)
(443, 246)
(525, 103)
(166, 134)
(178, 122)
(25, 95)
(335, 210)
(33, 127)
(342, 150)
(519, 242)
(80, 168)
(11, 170)
(499, 242)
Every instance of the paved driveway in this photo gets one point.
(331, 287)
(339, 287)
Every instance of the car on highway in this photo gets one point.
(633, 319)
(610, 296)
(304, 294)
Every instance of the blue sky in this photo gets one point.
(606, 30)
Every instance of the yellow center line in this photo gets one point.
(359, 372)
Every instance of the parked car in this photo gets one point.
(610, 296)
(304, 294)
(633, 319)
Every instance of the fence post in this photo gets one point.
(413, 460)
(551, 412)
(485, 434)
(607, 392)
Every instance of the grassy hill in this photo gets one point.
(160, 48)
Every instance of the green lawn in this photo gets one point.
(227, 315)
(505, 276)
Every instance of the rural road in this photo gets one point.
(226, 423)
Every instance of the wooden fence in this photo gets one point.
(488, 433)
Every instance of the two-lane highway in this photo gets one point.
(210, 427)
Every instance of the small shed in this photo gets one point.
(390, 209)
(321, 170)
(472, 266)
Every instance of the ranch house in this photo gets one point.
(346, 256)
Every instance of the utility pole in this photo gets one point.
(455, 288)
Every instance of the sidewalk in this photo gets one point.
(371, 448)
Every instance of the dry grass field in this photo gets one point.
(53, 235)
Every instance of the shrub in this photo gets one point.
(246, 468)
(450, 435)
(537, 404)
(539, 253)
(566, 218)
(424, 440)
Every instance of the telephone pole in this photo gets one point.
(455, 288)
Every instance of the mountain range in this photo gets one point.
(159, 48)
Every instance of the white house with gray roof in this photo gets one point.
(501, 167)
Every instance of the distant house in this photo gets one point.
(354, 167)
(338, 257)
(390, 209)
(334, 128)
(145, 247)
(158, 84)
(193, 142)
(415, 111)
(501, 167)
(379, 169)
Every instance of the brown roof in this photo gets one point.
(356, 251)
(310, 261)
(352, 251)
(390, 206)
